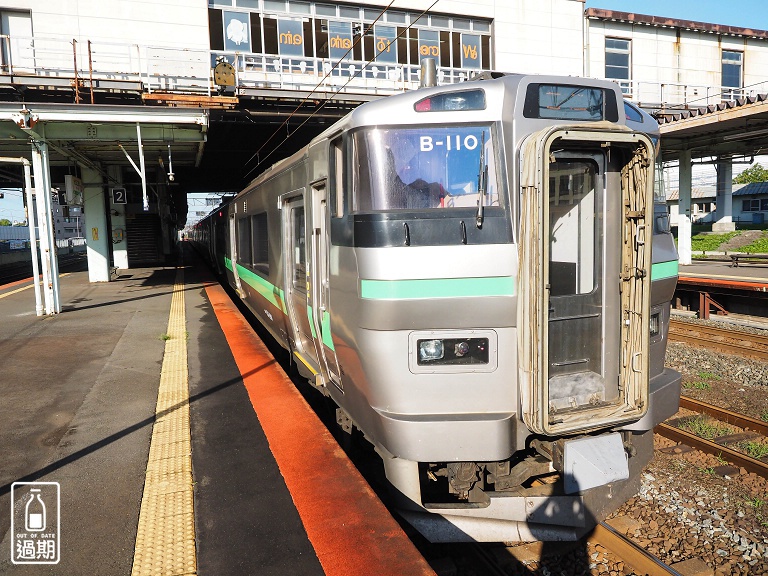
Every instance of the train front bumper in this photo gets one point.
(663, 401)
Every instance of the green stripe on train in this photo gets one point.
(269, 291)
(437, 288)
(663, 270)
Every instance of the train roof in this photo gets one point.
(400, 109)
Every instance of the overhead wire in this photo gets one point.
(332, 96)
(320, 83)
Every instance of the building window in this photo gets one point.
(754, 205)
(617, 53)
(327, 32)
(731, 73)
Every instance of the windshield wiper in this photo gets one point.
(482, 177)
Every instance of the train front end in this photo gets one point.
(499, 237)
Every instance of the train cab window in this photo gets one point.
(244, 241)
(426, 168)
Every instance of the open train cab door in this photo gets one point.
(320, 292)
(233, 250)
(585, 262)
(297, 239)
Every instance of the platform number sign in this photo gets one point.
(118, 196)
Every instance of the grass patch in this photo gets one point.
(165, 336)
(703, 427)
(698, 385)
(757, 505)
(764, 416)
(759, 246)
(710, 242)
(755, 450)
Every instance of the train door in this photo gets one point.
(233, 239)
(584, 278)
(297, 238)
(320, 283)
(583, 337)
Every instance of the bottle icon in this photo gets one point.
(34, 513)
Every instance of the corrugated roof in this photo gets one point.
(697, 193)
(664, 22)
(752, 189)
(669, 117)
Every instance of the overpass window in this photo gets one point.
(617, 52)
(286, 31)
(731, 72)
(325, 10)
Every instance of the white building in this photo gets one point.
(173, 45)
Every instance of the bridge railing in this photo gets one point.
(158, 68)
(673, 96)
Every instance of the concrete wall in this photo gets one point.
(688, 62)
(154, 23)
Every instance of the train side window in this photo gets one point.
(299, 251)
(244, 241)
(337, 178)
(260, 242)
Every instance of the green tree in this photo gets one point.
(754, 173)
(5, 222)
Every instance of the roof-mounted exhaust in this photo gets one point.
(428, 73)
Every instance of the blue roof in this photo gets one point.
(752, 189)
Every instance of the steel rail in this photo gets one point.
(746, 344)
(725, 415)
(630, 553)
(490, 564)
(749, 464)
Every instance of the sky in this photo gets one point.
(744, 13)
(12, 205)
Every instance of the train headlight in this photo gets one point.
(461, 349)
(453, 351)
(430, 350)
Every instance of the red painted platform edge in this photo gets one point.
(699, 281)
(17, 283)
(350, 529)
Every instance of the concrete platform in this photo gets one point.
(92, 400)
(746, 272)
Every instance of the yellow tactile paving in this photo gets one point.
(165, 541)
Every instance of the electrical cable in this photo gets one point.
(332, 96)
(335, 65)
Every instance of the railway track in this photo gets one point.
(713, 447)
(728, 340)
(23, 271)
(638, 559)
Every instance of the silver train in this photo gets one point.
(478, 276)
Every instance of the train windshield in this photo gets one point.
(424, 168)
